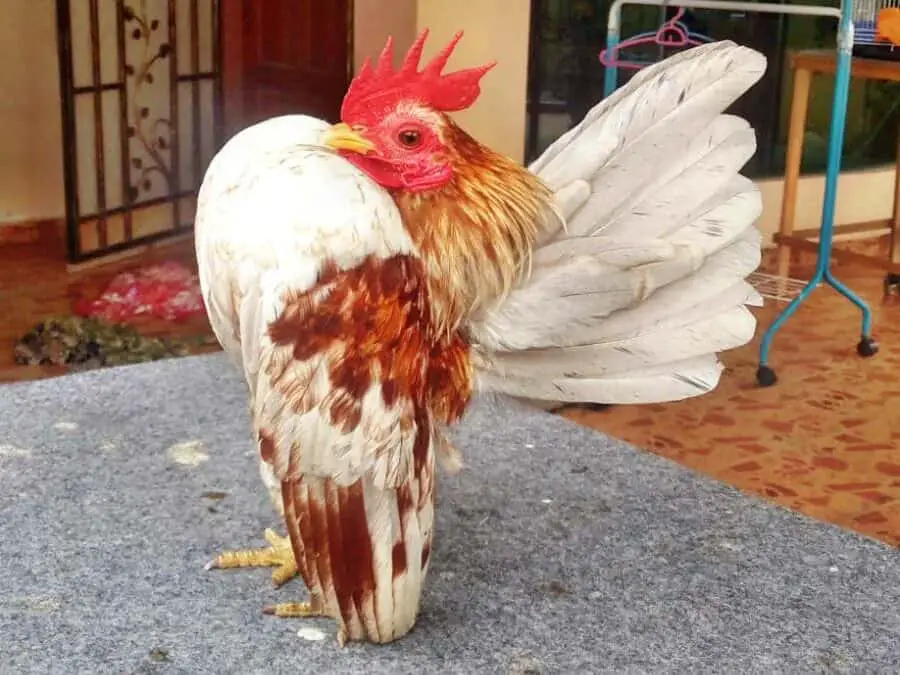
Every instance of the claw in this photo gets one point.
(295, 610)
(279, 555)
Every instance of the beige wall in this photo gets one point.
(374, 20)
(862, 196)
(31, 163)
(494, 30)
(30, 130)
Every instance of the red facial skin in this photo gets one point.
(409, 153)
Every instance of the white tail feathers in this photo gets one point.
(654, 384)
(632, 300)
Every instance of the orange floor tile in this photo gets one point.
(825, 440)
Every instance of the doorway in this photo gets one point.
(285, 57)
(566, 76)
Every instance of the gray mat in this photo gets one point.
(558, 551)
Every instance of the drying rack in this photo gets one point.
(867, 346)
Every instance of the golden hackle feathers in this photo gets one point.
(476, 234)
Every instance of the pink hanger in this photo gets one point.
(672, 33)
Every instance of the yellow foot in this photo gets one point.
(279, 554)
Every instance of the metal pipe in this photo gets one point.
(69, 135)
(610, 75)
(832, 174)
(615, 10)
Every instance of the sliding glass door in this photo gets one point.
(566, 79)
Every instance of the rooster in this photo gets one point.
(369, 276)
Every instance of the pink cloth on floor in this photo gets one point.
(167, 291)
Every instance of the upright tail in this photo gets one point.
(632, 298)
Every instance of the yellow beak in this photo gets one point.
(342, 137)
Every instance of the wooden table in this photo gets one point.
(805, 64)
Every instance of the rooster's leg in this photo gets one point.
(278, 554)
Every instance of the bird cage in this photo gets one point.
(876, 29)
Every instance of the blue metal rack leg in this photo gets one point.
(867, 347)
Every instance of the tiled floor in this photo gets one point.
(825, 440)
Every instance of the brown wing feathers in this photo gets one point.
(362, 547)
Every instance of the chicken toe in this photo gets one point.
(278, 554)
(305, 610)
(297, 610)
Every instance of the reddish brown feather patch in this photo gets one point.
(318, 544)
(335, 504)
(360, 571)
(404, 506)
(404, 498)
(398, 558)
(375, 322)
(450, 373)
(331, 541)
(293, 520)
(422, 442)
(266, 447)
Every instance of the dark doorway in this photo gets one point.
(285, 56)
(566, 78)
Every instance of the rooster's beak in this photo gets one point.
(342, 137)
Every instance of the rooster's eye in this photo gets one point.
(409, 138)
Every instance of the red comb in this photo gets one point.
(373, 92)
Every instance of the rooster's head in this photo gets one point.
(393, 122)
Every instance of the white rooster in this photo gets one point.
(369, 276)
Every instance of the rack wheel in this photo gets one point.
(867, 347)
(765, 376)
